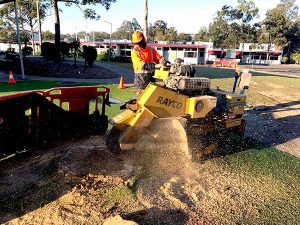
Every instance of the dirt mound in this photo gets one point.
(168, 180)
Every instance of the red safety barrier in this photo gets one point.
(78, 98)
(225, 63)
(33, 118)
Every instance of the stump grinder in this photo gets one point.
(205, 113)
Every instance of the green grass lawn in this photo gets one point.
(286, 87)
(260, 83)
(6, 88)
(256, 186)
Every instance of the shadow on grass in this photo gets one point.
(156, 216)
(274, 125)
(218, 73)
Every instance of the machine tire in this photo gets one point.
(112, 140)
(203, 139)
(236, 138)
(97, 123)
(241, 129)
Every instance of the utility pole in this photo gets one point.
(146, 18)
(85, 32)
(19, 40)
(109, 51)
(18, 33)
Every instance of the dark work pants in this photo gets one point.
(141, 80)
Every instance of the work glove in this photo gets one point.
(148, 66)
(165, 62)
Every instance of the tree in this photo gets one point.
(158, 30)
(27, 12)
(100, 36)
(289, 8)
(75, 50)
(282, 27)
(293, 37)
(202, 34)
(161, 25)
(7, 31)
(232, 26)
(219, 30)
(276, 25)
(124, 31)
(88, 13)
(135, 24)
(48, 35)
(171, 34)
(81, 35)
(183, 37)
(296, 57)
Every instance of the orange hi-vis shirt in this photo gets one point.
(142, 56)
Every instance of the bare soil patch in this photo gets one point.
(277, 124)
(73, 182)
(38, 66)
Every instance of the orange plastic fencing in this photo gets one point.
(78, 98)
(225, 63)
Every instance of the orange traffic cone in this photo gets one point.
(11, 79)
(121, 84)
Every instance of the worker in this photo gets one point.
(144, 59)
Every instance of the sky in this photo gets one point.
(186, 16)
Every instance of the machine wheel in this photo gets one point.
(204, 139)
(97, 123)
(235, 140)
(240, 130)
(112, 140)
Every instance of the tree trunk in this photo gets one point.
(146, 19)
(32, 38)
(39, 24)
(268, 53)
(57, 29)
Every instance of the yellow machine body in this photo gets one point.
(162, 73)
(208, 112)
(159, 102)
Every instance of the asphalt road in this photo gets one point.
(289, 70)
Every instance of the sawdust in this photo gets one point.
(169, 171)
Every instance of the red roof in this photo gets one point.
(177, 45)
(153, 45)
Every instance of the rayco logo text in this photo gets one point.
(169, 102)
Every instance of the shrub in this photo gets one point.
(121, 59)
(102, 56)
(89, 54)
(64, 49)
(38, 53)
(284, 60)
(296, 57)
(75, 47)
(27, 51)
(48, 51)
(75, 50)
(10, 49)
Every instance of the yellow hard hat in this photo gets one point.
(137, 37)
